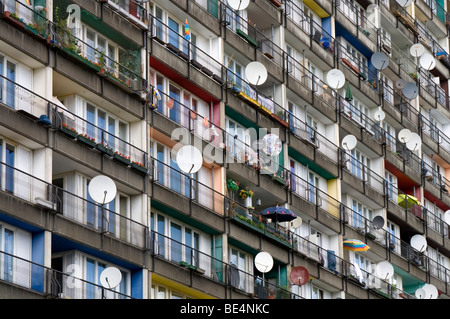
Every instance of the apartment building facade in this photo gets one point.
(116, 87)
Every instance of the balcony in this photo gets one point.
(186, 60)
(318, 43)
(50, 283)
(134, 11)
(430, 93)
(208, 271)
(399, 109)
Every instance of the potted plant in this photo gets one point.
(87, 140)
(138, 167)
(70, 131)
(121, 158)
(104, 148)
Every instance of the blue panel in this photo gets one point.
(136, 284)
(350, 38)
(37, 256)
(326, 25)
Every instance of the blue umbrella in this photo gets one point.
(279, 214)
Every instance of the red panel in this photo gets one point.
(403, 180)
(182, 81)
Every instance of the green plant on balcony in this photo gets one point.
(67, 39)
(121, 158)
(232, 185)
(245, 192)
(105, 148)
(69, 130)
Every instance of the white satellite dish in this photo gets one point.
(431, 291)
(263, 262)
(256, 73)
(447, 217)
(349, 142)
(189, 159)
(400, 84)
(378, 222)
(419, 243)
(427, 61)
(410, 91)
(110, 277)
(335, 79)
(420, 293)
(102, 189)
(296, 223)
(417, 50)
(414, 143)
(384, 270)
(404, 135)
(380, 60)
(379, 115)
(238, 4)
(404, 3)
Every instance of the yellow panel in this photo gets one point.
(180, 288)
(332, 189)
(316, 8)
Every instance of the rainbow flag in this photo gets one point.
(29, 2)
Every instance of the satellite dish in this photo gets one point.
(417, 50)
(238, 4)
(419, 243)
(447, 217)
(110, 277)
(296, 223)
(379, 115)
(427, 61)
(380, 60)
(378, 222)
(335, 79)
(189, 159)
(272, 144)
(404, 135)
(414, 143)
(384, 270)
(431, 291)
(102, 189)
(263, 262)
(349, 142)
(400, 84)
(404, 3)
(256, 73)
(299, 275)
(410, 91)
(420, 293)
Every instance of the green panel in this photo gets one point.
(311, 164)
(185, 219)
(240, 119)
(97, 24)
(213, 7)
(217, 248)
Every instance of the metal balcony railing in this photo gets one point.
(179, 253)
(31, 275)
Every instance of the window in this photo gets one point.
(359, 164)
(391, 141)
(366, 266)
(391, 186)
(238, 140)
(7, 157)
(6, 258)
(107, 128)
(360, 213)
(93, 290)
(317, 293)
(357, 111)
(235, 72)
(182, 242)
(393, 232)
(313, 185)
(311, 128)
(352, 55)
(388, 88)
(7, 84)
(239, 269)
(95, 44)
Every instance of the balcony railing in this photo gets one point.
(434, 132)
(183, 255)
(297, 16)
(132, 9)
(255, 37)
(185, 49)
(31, 275)
(125, 74)
(426, 83)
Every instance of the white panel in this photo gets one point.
(23, 182)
